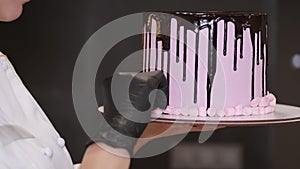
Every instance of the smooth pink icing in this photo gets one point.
(175, 74)
(146, 60)
(153, 45)
(202, 73)
(235, 85)
(231, 91)
(188, 93)
(159, 52)
(238, 83)
(144, 46)
(165, 63)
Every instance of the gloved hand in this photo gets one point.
(129, 96)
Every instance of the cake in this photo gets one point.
(215, 62)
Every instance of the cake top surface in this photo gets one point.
(257, 21)
(221, 13)
(234, 16)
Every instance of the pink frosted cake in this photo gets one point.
(215, 62)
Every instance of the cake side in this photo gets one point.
(215, 65)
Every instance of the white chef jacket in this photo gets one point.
(28, 140)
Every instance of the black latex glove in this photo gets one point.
(133, 103)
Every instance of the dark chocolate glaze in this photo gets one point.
(184, 55)
(225, 38)
(149, 53)
(235, 56)
(162, 60)
(255, 21)
(212, 58)
(263, 77)
(266, 60)
(242, 47)
(145, 52)
(156, 56)
(257, 47)
(168, 70)
(196, 67)
(253, 66)
(161, 35)
(239, 34)
(264, 45)
(177, 45)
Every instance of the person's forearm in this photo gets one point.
(97, 157)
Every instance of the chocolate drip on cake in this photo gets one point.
(225, 38)
(162, 60)
(239, 32)
(156, 56)
(177, 44)
(212, 58)
(168, 69)
(184, 55)
(163, 34)
(263, 77)
(196, 65)
(235, 56)
(256, 22)
(145, 46)
(263, 56)
(242, 46)
(149, 53)
(253, 64)
(257, 48)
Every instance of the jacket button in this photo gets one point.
(48, 152)
(61, 142)
(3, 63)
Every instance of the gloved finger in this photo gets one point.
(116, 98)
(147, 83)
(120, 117)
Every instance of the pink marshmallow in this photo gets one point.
(176, 112)
(239, 110)
(273, 102)
(168, 110)
(157, 111)
(193, 111)
(229, 111)
(211, 112)
(255, 102)
(270, 97)
(220, 113)
(248, 111)
(255, 111)
(184, 111)
(202, 112)
(261, 110)
(269, 109)
(264, 102)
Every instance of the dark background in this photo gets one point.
(44, 43)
